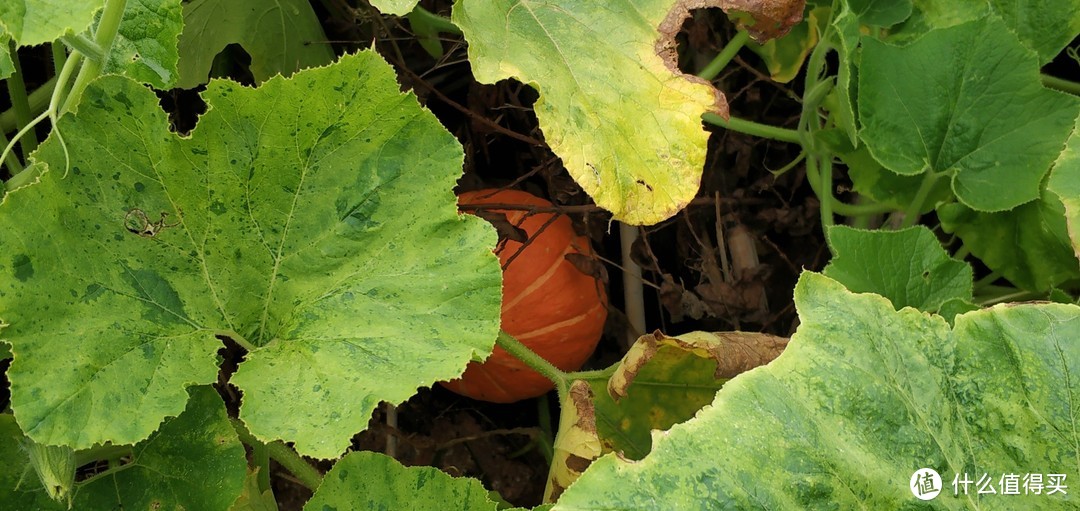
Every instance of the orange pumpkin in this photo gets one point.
(548, 303)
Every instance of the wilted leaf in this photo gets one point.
(663, 381)
(909, 267)
(282, 37)
(624, 120)
(784, 56)
(368, 480)
(863, 397)
(966, 103)
(293, 222)
(577, 443)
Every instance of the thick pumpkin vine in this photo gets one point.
(285, 226)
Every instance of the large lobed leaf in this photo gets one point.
(626, 124)
(864, 396)
(964, 102)
(320, 228)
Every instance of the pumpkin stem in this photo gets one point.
(534, 361)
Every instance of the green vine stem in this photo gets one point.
(37, 101)
(753, 128)
(827, 201)
(1061, 84)
(20, 102)
(84, 45)
(260, 457)
(308, 475)
(911, 214)
(534, 361)
(111, 16)
(59, 56)
(723, 58)
(440, 23)
(840, 207)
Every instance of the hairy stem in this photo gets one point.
(534, 361)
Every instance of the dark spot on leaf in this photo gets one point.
(217, 207)
(643, 183)
(577, 463)
(24, 269)
(91, 292)
(139, 187)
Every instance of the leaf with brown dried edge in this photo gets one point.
(762, 19)
(576, 444)
(664, 380)
(660, 382)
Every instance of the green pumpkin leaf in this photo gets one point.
(146, 42)
(32, 22)
(395, 7)
(964, 103)
(368, 480)
(195, 461)
(7, 66)
(282, 37)
(862, 397)
(909, 267)
(320, 231)
(1065, 183)
(880, 13)
(626, 124)
(1028, 245)
(1046, 26)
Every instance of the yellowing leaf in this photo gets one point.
(624, 120)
